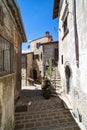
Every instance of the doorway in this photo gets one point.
(34, 74)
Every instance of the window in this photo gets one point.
(61, 59)
(65, 22)
(6, 56)
(36, 57)
(1, 16)
(41, 56)
(65, 25)
(56, 54)
(37, 45)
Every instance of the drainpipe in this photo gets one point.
(76, 35)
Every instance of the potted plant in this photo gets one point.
(46, 84)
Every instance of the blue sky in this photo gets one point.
(37, 19)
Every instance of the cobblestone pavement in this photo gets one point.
(33, 112)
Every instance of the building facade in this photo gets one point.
(37, 49)
(50, 52)
(11, 36)
(73, 53)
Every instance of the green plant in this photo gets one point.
(46, 88)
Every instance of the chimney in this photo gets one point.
(47, 33)
(49, 36)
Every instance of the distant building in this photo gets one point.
(11, 36)
(27, 68)
(39, 47)
(50, 50)
(73, 53)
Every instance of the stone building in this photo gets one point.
(73, 53)
(11, 36)
(37, 49)
(50, 50)
(27, 68)
(42, 48)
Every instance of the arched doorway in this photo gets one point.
(34, 74)
(68, 74)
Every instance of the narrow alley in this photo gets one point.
(33, 112)
(43, 66)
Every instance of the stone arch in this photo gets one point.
(68, 75)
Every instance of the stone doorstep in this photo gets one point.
(44, 127)
(22, 108)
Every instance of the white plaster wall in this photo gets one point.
(82, 33)
(82, 30)
(78, 87)
(67, 45)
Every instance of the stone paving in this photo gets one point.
(33, 112)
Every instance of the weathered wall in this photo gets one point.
(7, 82)
(39, 40)
(82, 34)
(24, 70)
(7, 102)
(78, 78)
(17, 69)
(37, 63)
(10, 84)
(48, 52)
(30, 65)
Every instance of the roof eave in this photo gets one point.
(17, 16)
(56, 9)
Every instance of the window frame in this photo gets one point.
(65, 21)
(6, 57)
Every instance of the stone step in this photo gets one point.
(33, 112)
(55, 79)
(39, 119)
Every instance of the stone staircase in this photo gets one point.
(56, 79)
(33, 112)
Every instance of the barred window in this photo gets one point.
(6, 57)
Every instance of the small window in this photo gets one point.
(36, 57)
(6, 56)
(62, 59)
(65, 25)
(37, 45)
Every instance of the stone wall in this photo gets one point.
(48, 52)
(24, 69)
(37, 62)
(30, 65)
(10, 83)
